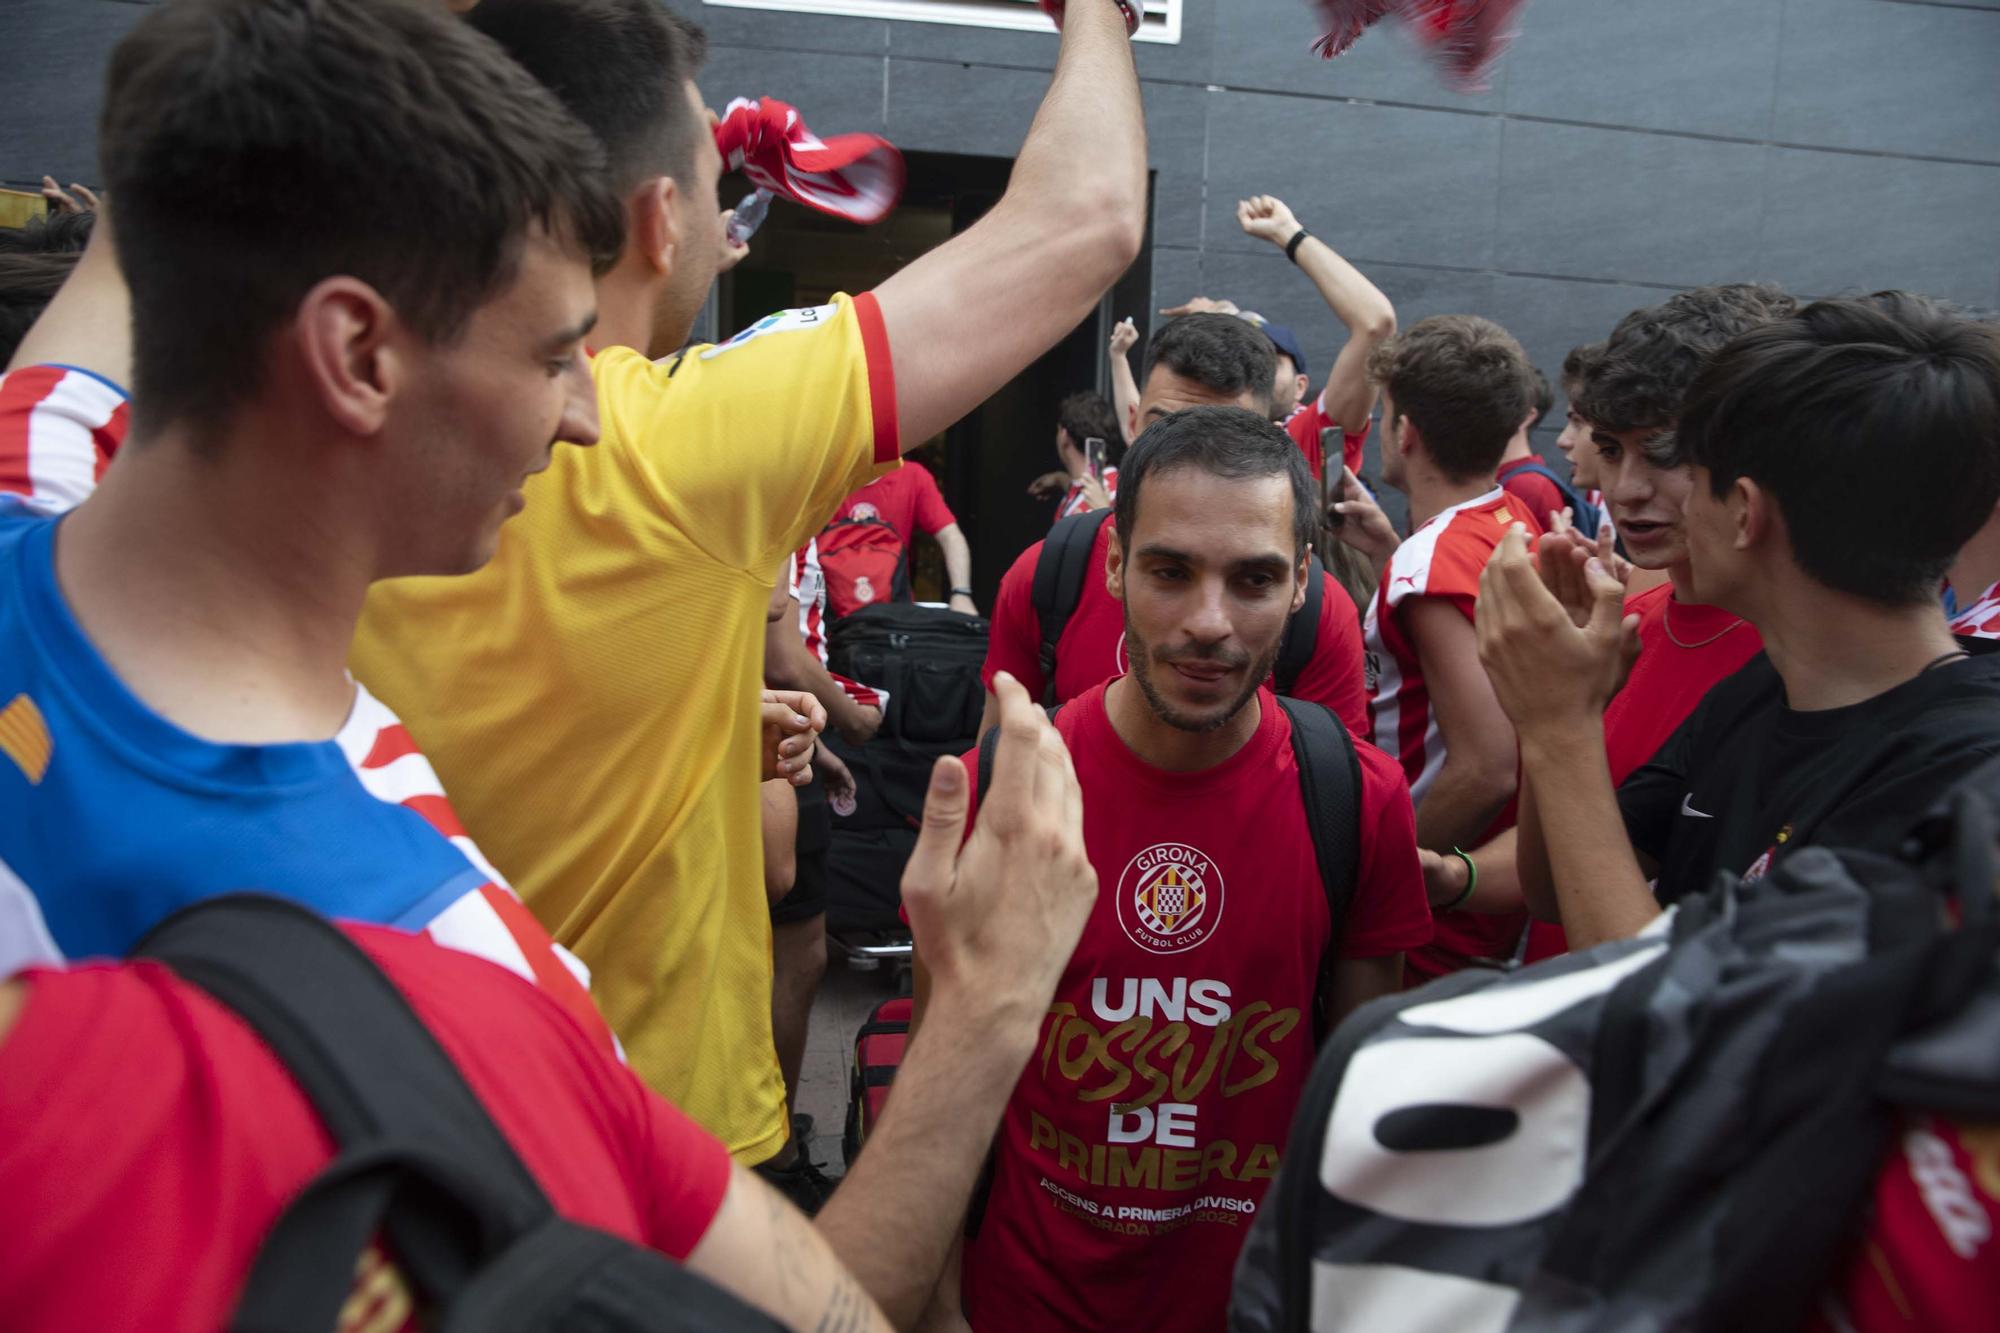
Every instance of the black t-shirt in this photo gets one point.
(1746, 779)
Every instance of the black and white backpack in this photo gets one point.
(1674, 1132)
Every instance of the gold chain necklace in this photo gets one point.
(1668, 621)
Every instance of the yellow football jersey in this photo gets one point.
(590, 697)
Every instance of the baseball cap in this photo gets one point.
(1287, 342)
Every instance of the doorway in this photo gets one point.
(985, 462)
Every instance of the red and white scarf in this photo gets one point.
(858, 177)
(1464, 36)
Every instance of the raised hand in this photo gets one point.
(1548, 668)
(77, 199)
(1266, 217)
(997, 915)
(1124, 337)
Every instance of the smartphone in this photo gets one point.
(1093, 456)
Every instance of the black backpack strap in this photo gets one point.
(989, 744)
(392, 1099)
(1330, 786)
(1060, 571)
(1295, 650)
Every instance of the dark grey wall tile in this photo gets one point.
(1177, 275)
(1267, 44)
(949, 107)
(1897, 77)
(1552, 315)
(1618, 204)
(55, 85)
(1628, 64)
(1837, 222)
(775, 30)
(837, 94)
(1389, 183)
(1177, 148)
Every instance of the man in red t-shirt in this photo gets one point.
(1454, 389)
(1929, 1259)
(1140, 1140)
(1203, 358)
(155, 1138)
(1630, 394)
(909, 501)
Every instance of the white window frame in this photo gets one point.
(1162, 22)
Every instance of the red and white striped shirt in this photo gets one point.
(60, 426)
(1442, 559)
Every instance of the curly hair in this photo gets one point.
(1641, 376)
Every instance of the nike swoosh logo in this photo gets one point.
(1687, 808)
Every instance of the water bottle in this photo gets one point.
(749, 216)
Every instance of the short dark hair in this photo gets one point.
(1540, 396)
(29, 280)
(1464, 381)
(1640, 379)
(1219, 352)
(1872, 423)
(620, 66)
(1577, 365)
(1229, 442)
(251, 147)
(1085, 416)
(49, 233)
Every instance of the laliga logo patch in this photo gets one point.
(1169, 898)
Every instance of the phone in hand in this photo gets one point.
(1093, 456)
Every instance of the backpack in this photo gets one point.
(1330, 787)
(419, 1159)
(1678, 1131)
(864, 563)
(1064, 565)
(927, 658)
(878, 1054)
(1586, 516)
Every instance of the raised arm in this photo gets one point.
(1356, 302)
(1124, 385)
(89, 323)
(973, 313)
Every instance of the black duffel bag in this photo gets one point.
(927, 658)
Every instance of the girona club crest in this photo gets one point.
(1169, 898)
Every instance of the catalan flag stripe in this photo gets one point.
(24, 737)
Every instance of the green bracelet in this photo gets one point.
(1471, 881)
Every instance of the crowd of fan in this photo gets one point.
(312, 512)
